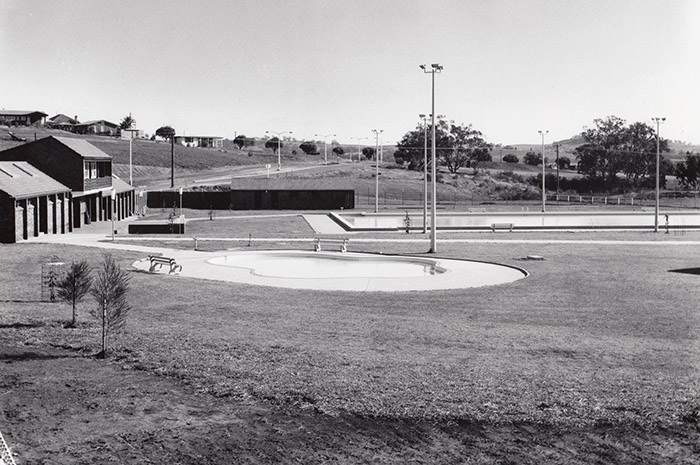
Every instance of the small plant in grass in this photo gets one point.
(74, 286)
(110, 289)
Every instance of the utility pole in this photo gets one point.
(557, 147)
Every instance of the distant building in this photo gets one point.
(99, 127)
(82, 168)
(213, 142)
(31, 203)
(131, 133)
(22, 118)
(63, 122)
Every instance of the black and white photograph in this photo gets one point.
(349, 232)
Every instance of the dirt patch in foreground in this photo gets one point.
(60, 406)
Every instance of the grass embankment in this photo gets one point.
(593, 358)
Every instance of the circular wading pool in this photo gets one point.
(351, 271)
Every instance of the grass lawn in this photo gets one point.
(593, 358)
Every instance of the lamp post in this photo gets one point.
(435, 68)
(279, 146)
(359, 153)
(113, 196)
(376, 164)
(172, 160)
(131, 139)
(325, 154)
(658, 121)
(544, 192)
(425, 172)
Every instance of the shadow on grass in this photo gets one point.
(28, 356)
(21, 325)
(686, 271)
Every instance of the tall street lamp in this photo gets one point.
(376, 164)
(658, 121)
(435, 68)
(325, 154)
(279, 146)
(359, 153)
(544, 193)
(425, 172)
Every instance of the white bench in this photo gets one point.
(508, 226)
(342, 241)
(160, 261)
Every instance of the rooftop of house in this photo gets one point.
(20, 113)
(21, 180)
(82, 147)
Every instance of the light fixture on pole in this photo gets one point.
(325, 154)
(435, 68)
(376, 164)
(279, 146)
(359, 153)
(658, 121)
(544, 192)
(425, 172)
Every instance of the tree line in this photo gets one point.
(614, 156)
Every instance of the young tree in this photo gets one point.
(74, 286)
(109, 290)
(166, 132)
(338, 150)
(510, 158)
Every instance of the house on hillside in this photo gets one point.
(22, 118)
(85, 170)
(209, 142)
(99, 127)
(31, 203)
(63, 122)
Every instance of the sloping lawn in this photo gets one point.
(593, 358)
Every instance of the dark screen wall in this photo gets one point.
(255, 200)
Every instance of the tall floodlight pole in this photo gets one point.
(425, 172)
(325, 153)
(359, 153)
(435, 68)
(172, 160)
(376, 165)
(658, 162)
(544, 193)
(279, 146)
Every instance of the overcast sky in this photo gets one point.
(346, 67)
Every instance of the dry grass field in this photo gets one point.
(594, 358)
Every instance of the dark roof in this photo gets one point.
(20, 113)
(21, 180)
(83, 148)
(97, 121)
(272, 184)
(67, 119)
